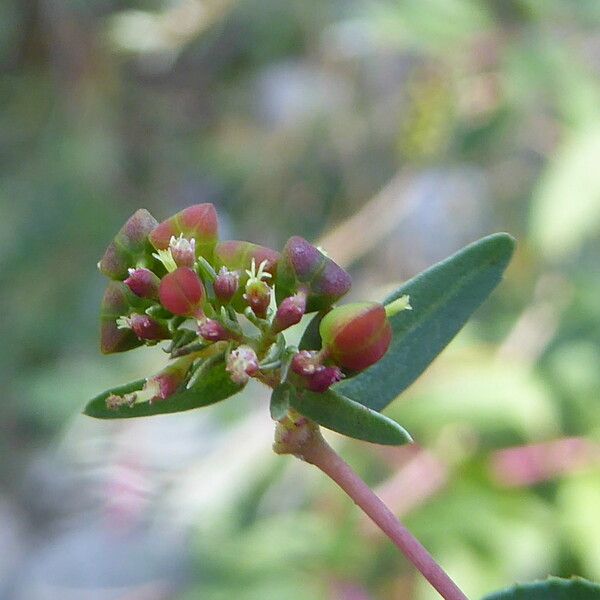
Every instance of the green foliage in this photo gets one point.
(336, 412)
(214, 385)
(552, 589)
(443, 298)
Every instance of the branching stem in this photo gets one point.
(305, 441)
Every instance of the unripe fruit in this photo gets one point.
(130, 246)
(305, 363)
(258, 298)
(143, 283)
(148, 329)
(198, 222)
(226, 285)
(213, 331)
(357, 335)
(305, 267)
(323, 378)
(182, 293)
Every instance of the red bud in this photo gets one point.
(323, 378)
(289, 312)
(147, 328)
(305, 363)
(182, 293)
(213, 331)
(357, 335)
(226, 285)
(143, 283)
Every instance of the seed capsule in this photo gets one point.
(357, 335)
(182, 293)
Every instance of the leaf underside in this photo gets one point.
(551, 589)
(350, 418)
(214, 386)
(443, 298)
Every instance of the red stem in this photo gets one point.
(316, 451)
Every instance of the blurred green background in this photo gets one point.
(394, 132)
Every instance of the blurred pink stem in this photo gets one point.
(316, 451)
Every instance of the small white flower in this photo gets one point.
(242, 363)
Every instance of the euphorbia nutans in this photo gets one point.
(225, 308)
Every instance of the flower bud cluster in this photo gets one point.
(175, 281)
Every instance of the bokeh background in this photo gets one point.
(392, 131)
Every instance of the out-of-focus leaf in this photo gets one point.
(350, 418)
(566, 205)
(311, 338)
(443, 297)
(214, 385)
(551, 589)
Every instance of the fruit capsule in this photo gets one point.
(356, 335)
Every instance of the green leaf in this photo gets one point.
(443, 298)
(350, 418)
(311, 338)
(551, 589)
(280, 401)
(214, 386)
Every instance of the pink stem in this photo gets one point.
(317, 452)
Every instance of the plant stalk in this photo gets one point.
(316, 451)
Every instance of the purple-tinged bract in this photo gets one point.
(130, 248)
(116, 303)
(304, 267)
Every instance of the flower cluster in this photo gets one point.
(229, 302)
